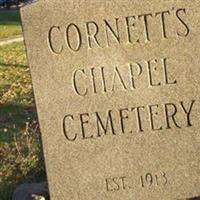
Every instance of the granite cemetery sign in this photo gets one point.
(116, 84)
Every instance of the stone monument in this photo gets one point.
(117, 88)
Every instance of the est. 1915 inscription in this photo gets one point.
(117, 92)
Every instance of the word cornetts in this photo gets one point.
(122, 31)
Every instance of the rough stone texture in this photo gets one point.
(117, 87)
(34, 191)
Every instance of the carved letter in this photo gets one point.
(103, 79)
(105, 127)
(83, 122)
(166, 78)
(123, 116)
(132, 76)
(115, 34)
(50, 41)
(117, 73)
(65, 130)
(146, 26)
(150, 70)
(79, 37)
(76, 87)
(172, 115)
(163, 24)
(128, 26)
(93, 80)
(90, 35)
(187, 30)
(138, 115)
(188, 113)
(152, 115)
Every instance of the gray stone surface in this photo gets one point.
(33, 191)
(117, 87)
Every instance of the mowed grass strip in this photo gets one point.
(10, 24)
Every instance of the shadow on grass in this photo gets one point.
(21, 154)
(13, 119)
(10, 17)
(36, 175)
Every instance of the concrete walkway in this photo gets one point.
(10, 40)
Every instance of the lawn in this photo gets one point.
(21, 157)
(10, 24)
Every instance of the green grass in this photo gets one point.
(20, 147)
(10, 24)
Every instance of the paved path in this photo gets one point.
(10, 40)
